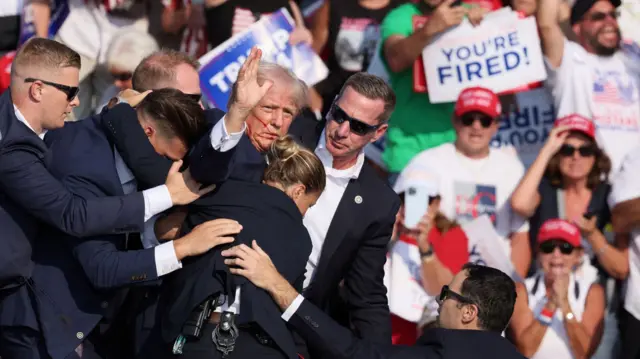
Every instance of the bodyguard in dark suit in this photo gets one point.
(82, 278)
(475, 308)
(43, 91)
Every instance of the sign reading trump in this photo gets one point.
(501, 56)
(271, 34)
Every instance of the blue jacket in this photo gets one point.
(28, 193)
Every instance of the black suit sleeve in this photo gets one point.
(24, 178)
(124, 131)
(203, 156)
(319, 330)
(366, 294)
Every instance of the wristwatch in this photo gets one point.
(426, 254)
(569, 316)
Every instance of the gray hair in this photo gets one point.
(277, 73)
(128, 48)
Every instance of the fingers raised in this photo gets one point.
(175, 167)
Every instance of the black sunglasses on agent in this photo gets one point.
(448, 293)
(549, 246)
(195, 96)
(584, 151)
(70, 91)
(469, 118)
(358, 127)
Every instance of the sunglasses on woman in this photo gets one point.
(445, 293)
(357, 126)
(549, 246)
(469, 118)
(584, 151)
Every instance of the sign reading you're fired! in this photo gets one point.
(502, 53)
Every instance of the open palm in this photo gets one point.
(250, 90)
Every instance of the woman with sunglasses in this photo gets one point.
(567, 180)
(558, 314)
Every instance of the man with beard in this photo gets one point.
(595, 76)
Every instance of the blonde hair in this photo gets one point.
(291, 164)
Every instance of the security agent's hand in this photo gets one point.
(444, 17)
(252, 263)
(206, 236)
(248, 92)
(132, 97)
(182, 187)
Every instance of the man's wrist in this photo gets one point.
(235, 118)
(181, 247)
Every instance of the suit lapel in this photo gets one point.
(341, 223)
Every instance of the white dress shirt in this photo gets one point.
(165, 254)
(319, 217)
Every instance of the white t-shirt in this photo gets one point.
(10, 7)
(89, 29)
(626, 186)
(603, 88)
(470, 188)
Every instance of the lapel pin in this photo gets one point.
(358, 199)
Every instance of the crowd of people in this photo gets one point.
(138, 221)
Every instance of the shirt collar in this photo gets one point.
(327, 160)
(24, 120)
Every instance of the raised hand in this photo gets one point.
(249, 90)
(555, 140)
(182, 187)
(206, 236)
(445, 16)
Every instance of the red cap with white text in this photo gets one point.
(559, 229)
(478, 99)
(578, 123)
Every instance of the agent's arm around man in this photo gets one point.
(474, 309)
(40, 97)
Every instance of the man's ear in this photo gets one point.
(35, 91)
(148, 130)
(469, 313)
(380, 132)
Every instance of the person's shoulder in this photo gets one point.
(377, 185)
(399, 21)
(507, 160)
(82, 132)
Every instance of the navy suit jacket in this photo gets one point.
(83, 277)
(28, 193)
(270, 217)
(321, 331)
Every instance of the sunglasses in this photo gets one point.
(446, 293)
(195, 96)
(584, 151)
(123, 76)
(549, 246)
(599, 16)
(356, 126)
(70, 91)
(470, 118)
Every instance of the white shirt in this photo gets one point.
(626, 186)
(470, 188)
(605, 89)
(318, 218)
(555, 342)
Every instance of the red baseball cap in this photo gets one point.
(478, 99)
(578, 123)
(559, 229)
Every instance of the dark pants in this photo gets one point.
(247, 347)
(629, 332)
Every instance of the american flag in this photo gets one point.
(606, 91)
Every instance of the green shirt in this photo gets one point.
(416, 123)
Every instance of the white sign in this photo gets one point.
(526, 128)
(485, 247)
(500, 55)
(407, 298)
